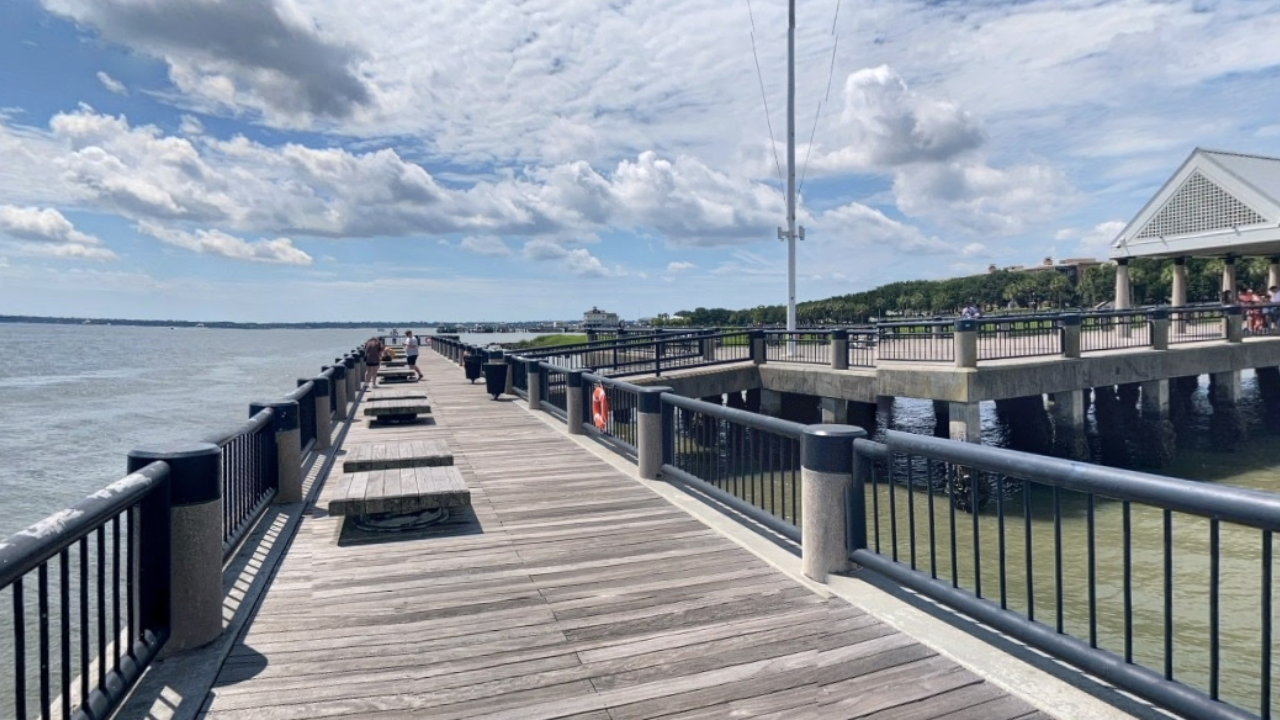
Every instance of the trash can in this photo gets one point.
(495, 378)
(471, 365)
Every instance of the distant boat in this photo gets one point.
(447, 330)
(87, 322)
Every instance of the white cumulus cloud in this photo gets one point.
(486, 245)
(216, 242)
(47, 232)
(112, 84)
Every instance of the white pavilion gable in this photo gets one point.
(1218, 203)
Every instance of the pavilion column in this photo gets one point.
(1123, 299)
(1179, 298)
(1229, 278)
(1273, 274)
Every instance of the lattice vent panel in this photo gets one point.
(1199, 205)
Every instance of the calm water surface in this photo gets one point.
(76, 398)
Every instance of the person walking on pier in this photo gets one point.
(373, 348)
(411, 346)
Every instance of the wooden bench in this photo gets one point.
(386, 456)
(397, 409)
(402, 490)
(389, 395)
(397, 374)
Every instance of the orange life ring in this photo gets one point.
(600, 408)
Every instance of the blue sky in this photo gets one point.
(290, 160)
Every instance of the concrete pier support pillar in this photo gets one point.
(863, 415)
(941, 418)
(650, 440)
(1155, 399)
(801, 408)
(1068, 416)
(1224, 388)
(734, 400)
(826, 474)
(573, 401)
(1226, 426)
(284, 422)
(770, 403)
(1269, 390)
(752, 397)
(1229, 278)
(1273, 272)
(835, 411)
(194, 527)
(1124, 290)
(884, 411)
(965, 422)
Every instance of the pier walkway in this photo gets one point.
(570, 590)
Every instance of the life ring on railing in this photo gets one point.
(600, 408)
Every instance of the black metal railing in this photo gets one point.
(862, 348)
(555, 389)
(930, 341)
(87, 596)
(1015, 337)
(798, 347)
(1016, 541)
(750, 457)
(1115, 329)
(519, 377)
(1197, 324)
(618, 426)
(250, 477)
(305, 395)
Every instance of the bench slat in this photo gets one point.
(401, 490)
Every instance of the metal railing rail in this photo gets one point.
(554, 389)
(621, 424)
(798, 347)
(1114, 329)
(250, 477)
(1197, 324)
(931, 341)
(1014, 337)
(108, 620)
(967, 478)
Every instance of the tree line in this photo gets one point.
(1044, 288)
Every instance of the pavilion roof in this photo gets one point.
(1217, 203)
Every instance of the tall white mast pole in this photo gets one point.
(791, 169)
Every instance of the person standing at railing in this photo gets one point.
(411, 346)
(1253, 313)
(373, 348)
(395, 335)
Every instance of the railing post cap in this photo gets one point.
(284, 413)
(1072, 319)
(966, 325)
(573, 378)
(1160, 313)
(840, 334)
(198, 466)
(322, 385)
(349, 363)
(650, 400)
(1235, 310)
(829, 448)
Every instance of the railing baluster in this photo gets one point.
(1267, 599)
(19, 650)
(1057, 556)
(84, 621)
(1168, 594)
(101, 534)
(1093, 572)
(1215, 612)
(933, 526)
(42, 600)
(1127, 540)
(64, 627)
(911, 512)
(1027, 549)
(1004, 590)
(977, 537)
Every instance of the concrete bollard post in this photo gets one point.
(1234, 321)
(535, 384)
(573, 401)
(354, 377)
(649, 438)
(324, 427)
(288, 448)
(510, 388)
(840, 349)
(1159, 319)
(826, 475)
(757, 347)
(966, 343)
(338, 382)
(194, 562)
(1071, 335)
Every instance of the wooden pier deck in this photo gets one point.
(570, 590)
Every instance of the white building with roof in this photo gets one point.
(1218, 204)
